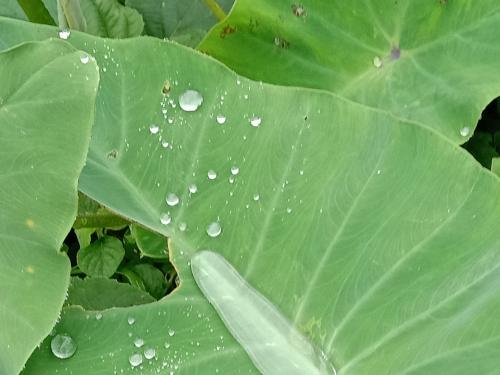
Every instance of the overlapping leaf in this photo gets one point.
(375, 236)
(44, 135)
(434, 63)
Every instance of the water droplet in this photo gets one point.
(182, 226)
(98, 316)
(255, 121)
(190, 100)
(165, 144)
(138, 342)
(214, 229)
(379, 171)
(63, 346)
(172, 199)
(288, 210)
(84, 58)
(135, 359)
(171, 332)
(377, 62)
(464, 132)
(154, 129)
(64, 34)
(235, 170)
(131, 320)
(167, 345)
(149, 353)
(256, 197)
(231, 180)
(193, 188)
(212, 175)
(165, 219)
(221, 119)
(170, 120)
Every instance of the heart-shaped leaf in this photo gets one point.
(44, 135)
(371, 234)
(432, 63)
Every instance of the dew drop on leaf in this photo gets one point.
(377, 62)
(138, 342)
(255, 121)
(214, 229)
(84, 58)
(193, 188)
(98, 316)
(256, 197)
(172, 199)
(135, 359)
(171, 332)
(190, 100)
(221, 119)
(182, 226)
(464, 132)
(212, 175)
(165, 219)
(131, 320)
(64, 34)
(235, 170)
(63, 346)
(149, 353)
(154, 129)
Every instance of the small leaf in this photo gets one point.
(101, 258)
(100, 294)
(150, 244)
(153, 279)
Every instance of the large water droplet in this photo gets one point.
(221, 119)
(135, 359)
(64, 34)
(138, 342)
(464, 132)
(165, 219)
(154, 129)
(235, 170)
(190, 100)
(84, 58)
(63, 346)
(255, 121)
(172, 199)
(212, 175)
(193, 188)
(214, 229)
(149, 353)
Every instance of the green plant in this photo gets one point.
(369, 229)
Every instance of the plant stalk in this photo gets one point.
(216, 9)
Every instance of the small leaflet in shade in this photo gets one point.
(270, 340)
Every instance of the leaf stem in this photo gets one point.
(216, 9)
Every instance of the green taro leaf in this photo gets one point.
(185, 21)
(106, 18)
(375, 236)
(11, 8)
(495, 166)
(153, 279)
(101, 294)
(102, 257)
(150, 244)
(434, 63)
(44, 136)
